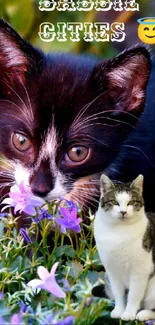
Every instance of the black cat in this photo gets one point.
(64, 119)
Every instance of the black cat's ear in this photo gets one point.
(106, 184)
(125, 78)
(17, 57)
(137, 184)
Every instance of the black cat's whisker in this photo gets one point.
(103, 124)
(6, 164)
(109, 111)
(91, 181)
(85, 197)
(6, 174)
(27, 115)
(8, 184)
(70, 185)
(143, 153)
(3, 197)
(99, 141)
(83, 122)
(12, 103)
(87, 192)
(17, 118)
(28, 99)
(91, 117)
(84, 108)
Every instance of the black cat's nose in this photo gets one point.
(42, 181)
(123, 213)
(41, 192)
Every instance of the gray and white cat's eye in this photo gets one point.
(132, 202)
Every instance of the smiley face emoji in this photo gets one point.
(146, 30)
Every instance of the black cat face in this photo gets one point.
(63, 117)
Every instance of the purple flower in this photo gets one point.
(66, 321)
(3, 215)
(70, 205)
(43, 214)
(1, 295)
(25, 235)
(15, 320)
(48, 281)
(69, 220)
(22, 199)
(150, 322)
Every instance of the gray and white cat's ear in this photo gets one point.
(106, 184)
(138, 184)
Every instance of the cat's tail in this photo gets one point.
(103, 290)
(99, 291)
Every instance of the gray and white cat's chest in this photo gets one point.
(121, 250)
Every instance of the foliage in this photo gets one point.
(22, 251)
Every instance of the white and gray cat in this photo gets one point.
(125, 239)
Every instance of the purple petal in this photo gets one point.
(59, 221)
(30, 210)
(43, 273)
(64, 212)
(36, 201)
(23, 188)
(76, 228)
(79, 220)
(8, 201)
(36, 283)
(73, 213)
(6, 206)
(25, 235)
(15, 319)
(63, 229)
(52, 286)
(15, 188)
(2, 321)
(54, 268)
(19, 207)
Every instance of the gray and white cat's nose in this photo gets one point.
(123, 213)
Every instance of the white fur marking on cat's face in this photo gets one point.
(21, 174)
(123, 199)
(50, 144)
(58, 189)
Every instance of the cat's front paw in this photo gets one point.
(128, 316)
(144, 315)
(116, 313)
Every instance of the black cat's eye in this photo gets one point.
(114, 202)
(77, 154)
(146, 28)
(131, 202)
(21, 142)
